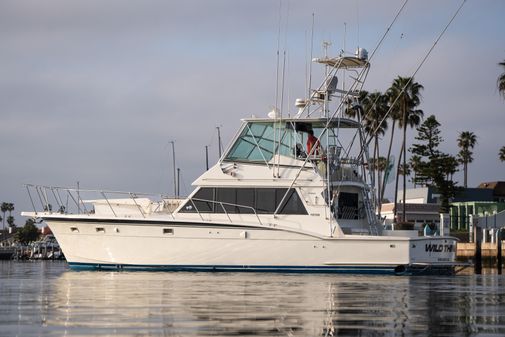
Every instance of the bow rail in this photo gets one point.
(65, 200)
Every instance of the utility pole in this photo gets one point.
(178, 182)
(207, 157)
(173, 165)
(78, 200)
(219, 140)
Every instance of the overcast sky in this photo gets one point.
(94, 91)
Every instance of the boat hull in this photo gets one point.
(137, 245)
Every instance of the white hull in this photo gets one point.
(130, 244)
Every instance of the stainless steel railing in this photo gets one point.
(71, 201)
(222, 205)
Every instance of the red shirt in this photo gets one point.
(311, 142)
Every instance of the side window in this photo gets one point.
(244, 201)
(201, 202)
(265, 200)
(226, 196)
(245, 197)
(292, 204)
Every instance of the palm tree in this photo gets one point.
(376, 106)
(466, 142)
(10, 218)
(502, 153)
(405, 96)
(354, 109)
(10, 207)
(501, 80)
(4, 208)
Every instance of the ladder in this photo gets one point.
(369, 209)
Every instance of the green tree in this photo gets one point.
(501, 154)
(501, 80)
(28, 233)
(10, 221)
(415, 165)
(4, 208)
(436, 168)
(466, 142)
(10, 207)
(405, 97)
(354, 109)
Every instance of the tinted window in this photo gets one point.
(292, 203)
(202, 201)
(244, 200)
(348, 205)
(265, 200)
(226, 196)
(245, 197)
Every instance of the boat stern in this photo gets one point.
(431, 255)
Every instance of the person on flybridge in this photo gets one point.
(318, 154)
(311, 143)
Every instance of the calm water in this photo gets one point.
(48, 299)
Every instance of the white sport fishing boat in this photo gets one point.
(268, 205)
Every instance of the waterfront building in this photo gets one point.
(423, 205)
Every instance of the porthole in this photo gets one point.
(168, 231)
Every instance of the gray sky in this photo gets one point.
(93, 91)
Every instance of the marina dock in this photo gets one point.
(468, 249)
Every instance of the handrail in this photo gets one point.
(138, 206)
(112, 209)
(224, 209)
(54, 197)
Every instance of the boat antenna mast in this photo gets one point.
(326, 45)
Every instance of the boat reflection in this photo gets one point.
(233, 304)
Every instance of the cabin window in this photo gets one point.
(245, 201)
(265, 200)
(168, 231)
(245, 197)
(202, 201)
(292, 204)
(226, 196)
(348, 206)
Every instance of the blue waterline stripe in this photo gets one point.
(228, 268)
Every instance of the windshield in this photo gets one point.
(257, 142)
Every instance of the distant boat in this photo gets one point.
(6, 253)
(267, 205)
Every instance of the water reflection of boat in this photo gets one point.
(6, 253)
(194, 304)
(269, 204)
